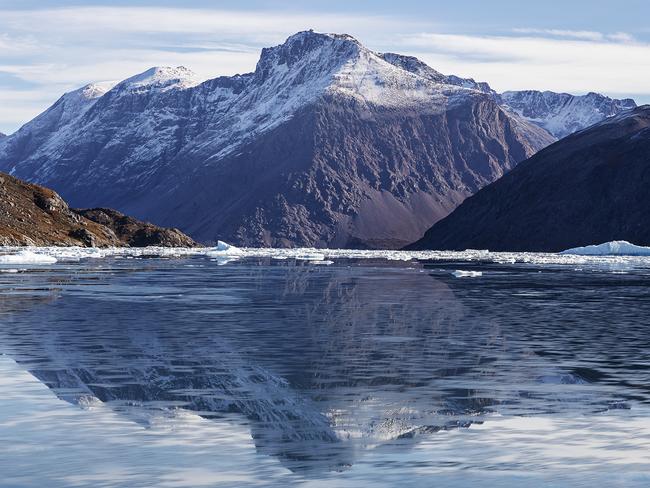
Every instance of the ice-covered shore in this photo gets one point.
(225, 253)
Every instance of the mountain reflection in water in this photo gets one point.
(326, 362)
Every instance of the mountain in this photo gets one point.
(31, 215)
(588, 188)
(326, 143)
(560, 113)
(2, 135)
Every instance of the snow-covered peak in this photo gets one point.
(413, 65)
(79, 100)
(470, 83)
(311, 64)
(162, 78)
(420, 68)
(319, 53)
(92, 90)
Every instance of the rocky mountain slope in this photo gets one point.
(560, 113)
(326, 143)
(136, 233)
(588, 188)
(31, 215)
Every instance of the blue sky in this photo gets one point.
(50, 47)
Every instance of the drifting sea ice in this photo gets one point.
(27, 257)
(311, 256)
(611, 257)
(613, 248)
(223, 249)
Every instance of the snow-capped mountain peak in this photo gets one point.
(312, 64)
(92, 91)
(413, 65)
(310, 54)
(161, 78)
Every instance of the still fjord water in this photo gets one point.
(182, 372)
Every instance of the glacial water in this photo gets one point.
(186, 371)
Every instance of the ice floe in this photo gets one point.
(27, 257)
(613, 248)
(311, 256)
(467, 274)
(223, 249)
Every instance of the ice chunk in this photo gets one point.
(223, 249)
(221, 260)
(467, 274)
(27, 257)
(311, 256)
(613, 248)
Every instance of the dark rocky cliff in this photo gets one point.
(589, 188)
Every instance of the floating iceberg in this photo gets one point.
(613, 248)
(223, 249)
(467, 274)
(27, 257)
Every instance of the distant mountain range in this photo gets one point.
(560, 113)
(326, 143)
(588, 188)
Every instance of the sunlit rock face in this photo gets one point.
(32, 215)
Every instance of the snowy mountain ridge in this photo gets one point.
(368, 136)
(287, 77)
(561, 113)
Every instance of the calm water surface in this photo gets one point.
(183, 372)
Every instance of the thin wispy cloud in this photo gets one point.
(577, 34)
(529, 61)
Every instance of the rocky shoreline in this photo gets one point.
(32, 215)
